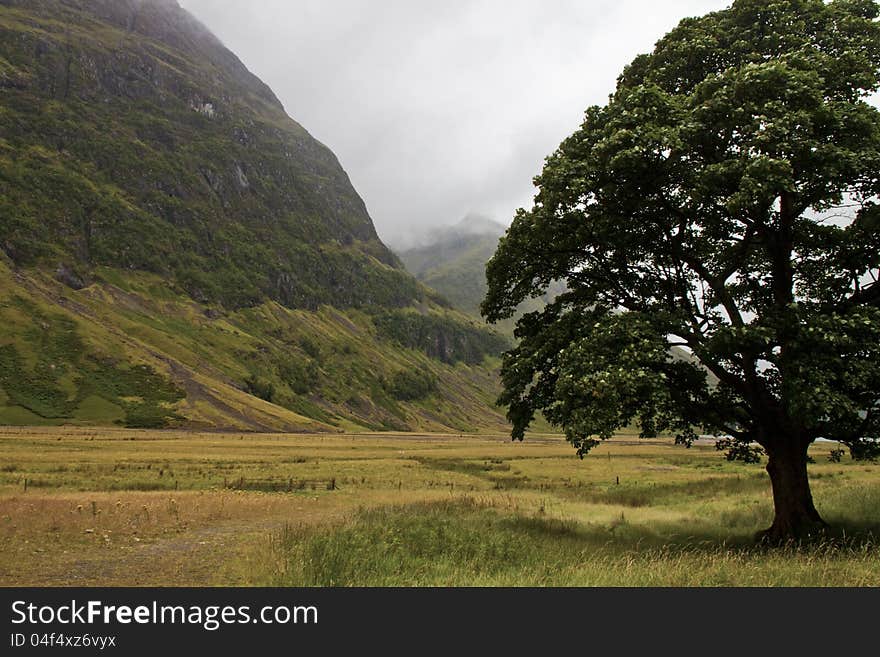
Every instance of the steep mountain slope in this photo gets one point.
(174, 249)
(132, 138)
(453, 262)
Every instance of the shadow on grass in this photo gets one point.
(644, 494)
(633, 494)
(466, 542)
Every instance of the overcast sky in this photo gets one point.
(440, 108)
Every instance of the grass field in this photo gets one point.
(124, 507)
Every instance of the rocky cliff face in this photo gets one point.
(154, 148)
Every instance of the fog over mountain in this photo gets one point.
(439, 109)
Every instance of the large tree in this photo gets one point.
(725, 202)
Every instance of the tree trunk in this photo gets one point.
(796, 516)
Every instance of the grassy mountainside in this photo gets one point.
(176, 251)
(133, 139)
(129, 350)
(453, 262)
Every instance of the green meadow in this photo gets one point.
(140, 507)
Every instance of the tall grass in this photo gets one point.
(410, 511)
(470, 543)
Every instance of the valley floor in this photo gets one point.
(115, 507)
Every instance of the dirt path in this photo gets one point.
(198, 551)
(195, 558)
(230, 552)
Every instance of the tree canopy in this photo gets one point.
(724, 202)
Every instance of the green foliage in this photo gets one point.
(259, 387)
(724, 200)
(311, 348)
(408, 385)
(440, 336)
(836, 455)
(65, 375)
(624, 369)
(455, 264)
(36, 390)
(92, 338)
(640, 211)
(300, 376)
(98, 168)
(146, 396)
(740, 450)
(865, 449)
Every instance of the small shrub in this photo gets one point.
(408, 385)
(739, 450)
(301, 377)
(259, 387)
(865, 450)
(311, 348)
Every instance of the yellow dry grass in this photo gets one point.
(120, 507)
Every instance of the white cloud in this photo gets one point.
(436, 109)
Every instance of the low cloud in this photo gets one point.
(437, 109)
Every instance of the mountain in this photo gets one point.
(452, 260)
(176, 251)
(135, 140)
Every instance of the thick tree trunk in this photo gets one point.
(796, 516)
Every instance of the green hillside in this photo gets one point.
(128, 350)
(453, 262)
(176, 251)
(133, 139)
